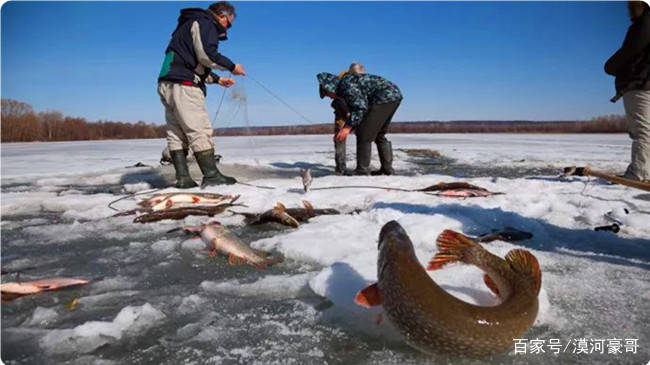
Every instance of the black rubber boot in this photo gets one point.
(385, 151)
(364, 149)
(339, 157)
(211, 174)
(183, 178)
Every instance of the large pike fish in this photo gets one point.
(432, 320)
(182, 212)
(458, 190)
(168, 200)
(291, 217)
(11, 291)
(222, 241)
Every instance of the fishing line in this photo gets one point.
(281, 100)
(257, 186)
(365, 187)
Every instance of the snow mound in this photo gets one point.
(85, 338)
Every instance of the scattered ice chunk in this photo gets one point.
(270, 286)
(164, 246)
(42, 316)
(91, 335)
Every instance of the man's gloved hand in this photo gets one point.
(226, 81)
(239, 70)
(340, 123)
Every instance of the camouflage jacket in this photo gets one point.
(361, 91)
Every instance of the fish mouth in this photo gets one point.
(392, 231)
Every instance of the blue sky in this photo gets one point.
(452, 61)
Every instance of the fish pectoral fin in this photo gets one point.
(524, 262)
(279, 207)
(491, 284)
(452, 247)
(236, 260)
(369, 296)
(308, 205)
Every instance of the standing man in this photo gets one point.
(191, 55)
(372, 101)
(631, 67)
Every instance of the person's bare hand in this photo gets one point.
(343, 134)
(239, 70)
(226, 81)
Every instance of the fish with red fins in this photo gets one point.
(434, 321)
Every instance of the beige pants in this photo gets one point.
(188, 124)
(637, 112)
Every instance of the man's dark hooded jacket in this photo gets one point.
(631, 63)
(193, 50)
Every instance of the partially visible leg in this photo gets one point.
(637, 111)
(195, 122)
(176, 139)
(385, 147)
(364, 151)
(339, 154)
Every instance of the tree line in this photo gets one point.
(20, 123)
(603, 124)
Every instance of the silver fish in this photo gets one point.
(306, 178)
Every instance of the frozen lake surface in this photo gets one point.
(158, 297)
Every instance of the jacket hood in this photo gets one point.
(327, 82)
(191, 14)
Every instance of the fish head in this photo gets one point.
(394, 242)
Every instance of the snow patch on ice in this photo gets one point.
(271, 286)
(137, 187)
(42, 316)
(85, 338)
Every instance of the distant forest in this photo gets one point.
(20, 123)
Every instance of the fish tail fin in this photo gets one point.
(452, 247)
(369, 296)
(524, 262)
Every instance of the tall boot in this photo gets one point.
(211, 174)
(364, 149)
(385, 151)
(183, 178)
(339, 157)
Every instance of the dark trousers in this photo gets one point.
(339, 152)
(373, 127)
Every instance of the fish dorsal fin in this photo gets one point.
(369, 296)
(452, 247)
(307, 205)
(524, 262)
(280, 207)
(491, 284)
